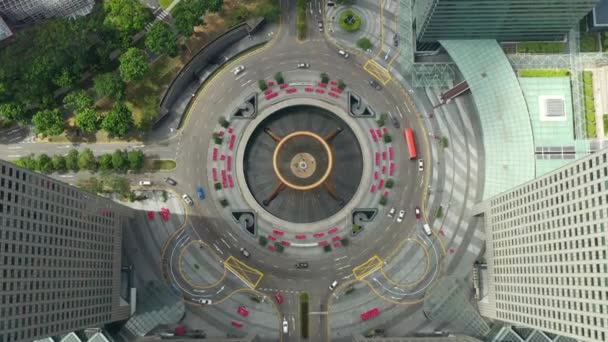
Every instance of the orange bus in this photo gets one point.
(409, 139)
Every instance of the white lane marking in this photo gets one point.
(14, 147)
(347, 277)
(198, 290)
(66, 176)
(16, 138)
(240, 76)
(220, 290)
(218, 249)
(340, 258)
(399, 111)
(246, 83)
(232, 236)
(225, 243)
(343, 267)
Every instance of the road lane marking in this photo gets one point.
(218, 249)
(343, 267)
(14, 147)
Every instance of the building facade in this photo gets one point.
(27, 11)
(5, 31)
(447, 302)
(503, 20)
(546, 252)
(60, 257)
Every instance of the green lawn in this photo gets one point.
(165, 3)
(143, 97)
(541, 47)
(544, 72)
(159, 164)
(304, 314)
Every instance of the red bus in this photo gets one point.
(409, 138)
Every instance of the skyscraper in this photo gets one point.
(546, 252)
(5, 31)
(60, 257)
(504, 20)
(446, 301)
(26, 11)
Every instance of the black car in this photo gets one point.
(302, 265)
(395, 122)
(375, 85)
(171, 181)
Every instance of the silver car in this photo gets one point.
(401, 216)
(303, 65)
(238, 69)
(187, 199)
(205, 301)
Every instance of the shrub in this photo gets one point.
(349, 21)
(382, 119)
(344, 241)
(439, 213)
(255, 299)
(279, 247)
(217, 138)
(164, 196)
(541, 47)
(262, 84)
(279, 77)
(356, 229)
(390, 183)
(605, 123)
(383, 200)
(304, 314)
(544, 72)
(444, 142)
(223, 122)
(224, 202)
(263, 241)
(341, 85)
(349, 290)
(327, 248)
(387, 138)
(217, 186)
(364, 43)
(324, 78)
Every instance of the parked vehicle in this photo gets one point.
(170, 181)
(391, 212)
(303, 65)
(395, 122)
(302, 265)
(145, 182)
(333, 285)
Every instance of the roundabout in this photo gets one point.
(287, 182)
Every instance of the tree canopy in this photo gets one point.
(161, 39)
(86, 160)
(71, 160)
(87, 120)
(12, 112)
(127, 16)
(48, 122)
(109, 85)
(133, 65)
(77, 100)
(187, 14)
(118, 121)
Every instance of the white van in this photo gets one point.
(145, 183)
(427, 229)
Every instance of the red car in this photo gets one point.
(417, 212)
(278, 297)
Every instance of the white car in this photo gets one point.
(187, 199)
(343, 53)
(285, 326)
(245, 252)
(205, 301)
(391, 212)
(238, 69)
(400, 216)
(420, 165)
(303, 65)
(145, 183)
(333, 285)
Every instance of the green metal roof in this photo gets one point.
(507, 130)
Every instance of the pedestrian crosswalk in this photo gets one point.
(159, 15)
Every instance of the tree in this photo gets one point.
(215, 5)
(71, 160)
(161, 39)
(58, 162)
(269, 10)
(109, 85)
(136, 160)
(86, 160)
(105, 162)
(119, 160)
(118, 184)
(127, 16)
(279, 77)
(133, 65)
(119, 120)
(187, 14)
(77, 100)
(92, 184)
(12, 112)
(28, 162)
(48, 122)
(364, 43)
(324, 78)
(44, 164)
(86, 120)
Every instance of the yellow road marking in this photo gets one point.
(379, 72)
(367, 267)
(394, 57)
(187, 279)
(243, 271)
(175, 233)
(426, 268)
(443, 250)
